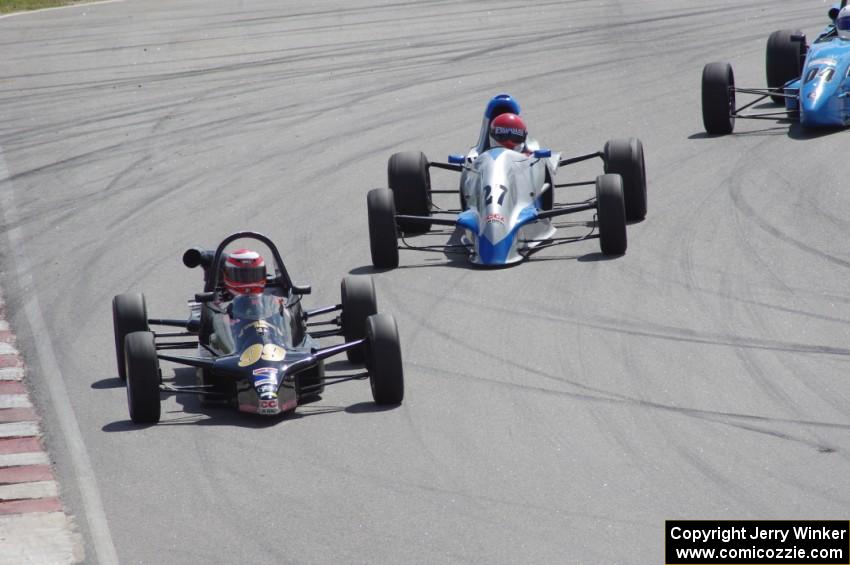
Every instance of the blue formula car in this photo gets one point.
(506, 195)
(810, 81)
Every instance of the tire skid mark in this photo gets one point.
(592, 394)
(745, 208)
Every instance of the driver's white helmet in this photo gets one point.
(842, 23)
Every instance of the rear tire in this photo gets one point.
(624, 157)
(142, 378)
(358, 303)
(783, 60)
(129, 314)
(383, 236)
(410, 180)
(386, 373)
(718, 98)
(611, 214)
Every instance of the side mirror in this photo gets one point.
(833, 13)
(456, 159)
(204, 297)
(542, 153)
(301, 289)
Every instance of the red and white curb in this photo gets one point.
(34, 528)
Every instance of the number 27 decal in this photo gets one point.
(488, 194)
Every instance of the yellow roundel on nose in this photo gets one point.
(272, 352)
(267, 352)
(251, 355)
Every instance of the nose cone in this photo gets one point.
(820, 105)
(494, 244)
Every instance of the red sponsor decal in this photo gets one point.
(268, 407)
(495, 218)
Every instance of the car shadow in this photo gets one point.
(458, 259)
(597, 257)
(779, 129)
(799, 133)
(791, 128)
(111, 382)
(370, 408)
(193, 412)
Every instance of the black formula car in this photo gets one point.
(256, 352)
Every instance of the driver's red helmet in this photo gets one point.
(508, 130)
(245, 272)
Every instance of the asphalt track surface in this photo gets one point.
(557, 411)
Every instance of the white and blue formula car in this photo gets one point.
(506, 198)
(811, 82)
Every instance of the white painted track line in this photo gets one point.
(69, 428)
(11, 374)
(38, 489)
(14, 401)
(26, 458)
(18, 429)
(47, 531)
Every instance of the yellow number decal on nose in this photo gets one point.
(272, 352)
(267, 352)
(251, 355)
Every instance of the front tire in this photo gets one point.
(129, 314)
(383, 236)
(358, 303)
(611, 214)
(409, 178)
(718, 98)
(783, 60)
(386, 373)
(624, 157)
(142, 378)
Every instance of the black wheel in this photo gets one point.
(383, 237)
(358, 303)
(311, 384)
(410, 180)
(386, 374)
(547, 199)
(624, 157)
(783, 59)
(611, 214)
(142, 378)
(718, 98)
(129, 314)
(206, 326)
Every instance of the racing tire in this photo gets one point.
(547, 199)
(783, 60)
(142, 378)
(718, 98)
(383, 235)
(358, 303)
(409, 178)
(205, 330)
(386, 373)
(611, 214)
(313, 381)
(129, 314)
(624, 157)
